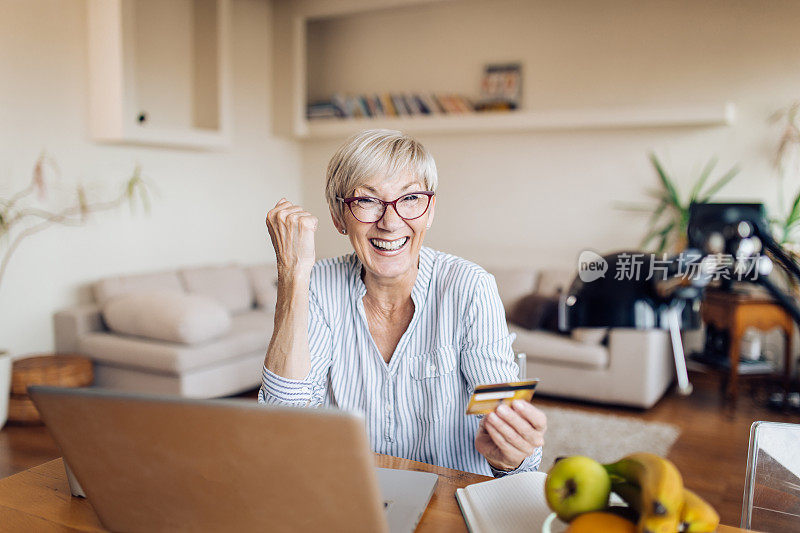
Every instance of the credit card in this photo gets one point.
(486, 398)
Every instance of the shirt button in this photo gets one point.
(432, 368)
(305, 390)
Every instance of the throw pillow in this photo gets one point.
(167, 316)
(264, 279)
(108, 288)
(226, 284)
(552, 282)
(535, 311)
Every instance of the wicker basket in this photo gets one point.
(52, 370)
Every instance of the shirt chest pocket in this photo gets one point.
(434, 383)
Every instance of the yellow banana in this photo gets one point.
(697, 516)
(661, 490)
(659, 524)
(632, 495)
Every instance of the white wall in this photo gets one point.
(555, 191)
(210, 205)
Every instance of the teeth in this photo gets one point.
(389, 245)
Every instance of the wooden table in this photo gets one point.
(39, 500)
(735, 312)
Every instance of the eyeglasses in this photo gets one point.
(367, 209)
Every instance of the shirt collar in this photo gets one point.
(424, 272)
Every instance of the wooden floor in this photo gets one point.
(711, 451)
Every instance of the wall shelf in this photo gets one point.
(306, 18)
(723, 114)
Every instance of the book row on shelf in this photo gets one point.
(400, 105)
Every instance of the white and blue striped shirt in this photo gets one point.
(414, 406)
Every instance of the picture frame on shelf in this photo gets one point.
(501, 87)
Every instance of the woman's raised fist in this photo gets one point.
(292, 232)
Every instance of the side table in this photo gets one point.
(49, 369)
(735, 312)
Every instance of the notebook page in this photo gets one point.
(511, 504)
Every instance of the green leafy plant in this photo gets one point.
(22, 214)
(669, 216)
(784, 227)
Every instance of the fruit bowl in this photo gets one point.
(552, 524)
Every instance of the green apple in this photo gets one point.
(577, 485)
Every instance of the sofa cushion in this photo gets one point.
(250, 333)
(535, 311)
(167, 315)
(227, 284)
(551, 282)
(264, 279)
(513, 284)
(548, 348)
(589, 335)
(108, 288)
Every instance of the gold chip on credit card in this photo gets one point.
(486, 398)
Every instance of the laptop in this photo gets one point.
(164, 463)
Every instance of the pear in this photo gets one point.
(577, 485)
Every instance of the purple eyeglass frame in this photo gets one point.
(393, 203)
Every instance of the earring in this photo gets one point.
(344, 232)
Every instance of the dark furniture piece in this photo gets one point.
(735, 312)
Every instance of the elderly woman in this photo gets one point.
(395, 331)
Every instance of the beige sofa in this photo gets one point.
(227, 363)
(632, 367)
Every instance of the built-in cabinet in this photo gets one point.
(159, 72)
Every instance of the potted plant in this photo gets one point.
(669, 215)
(24, 214)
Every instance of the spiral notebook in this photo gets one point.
(511, 504)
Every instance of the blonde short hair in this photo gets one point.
(371, 153)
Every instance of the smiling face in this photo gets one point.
(388, 248)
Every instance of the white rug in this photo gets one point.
(604, 438)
